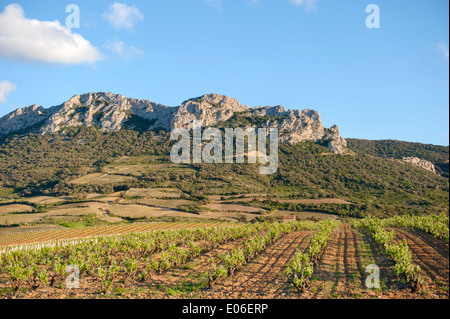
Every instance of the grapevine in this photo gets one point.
(301, 266)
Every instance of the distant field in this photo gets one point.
(234, 208)
(139, 211)
(143, 203)
(314, 201)
(134, 170)
(140, 169)
(10, 214)
(305, 215)
(28, 237)
(170, 167)
(262, 197)
(16, 208)
(28, 229)
(48, 199)
(28, 218)
(9, 219)
(117, 196)
(281, 200)
(167, 203)
(241, 197)
(79, 209)
(100, 179)
(154, 192)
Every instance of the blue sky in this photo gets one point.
(380, 83)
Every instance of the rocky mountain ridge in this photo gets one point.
(112, 112)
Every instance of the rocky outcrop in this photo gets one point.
(337, 144)
(421, 163)
(112, 112)
(22, 118)
(209, 109)
(294, 126)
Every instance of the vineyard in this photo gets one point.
(42, 237)
(301, 259)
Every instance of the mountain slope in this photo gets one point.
(50, 164)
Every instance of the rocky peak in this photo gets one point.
(110, 112)
(224, 101)
(209, 109)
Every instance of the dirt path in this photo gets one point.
(389, 281)
(263, 277)
(437, 244)
(435, 267)
(340, 270)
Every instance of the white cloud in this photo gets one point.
(443, 48)
(122, 50)
(42, 41)
(308, 5)
(121, 16)
(6, 87)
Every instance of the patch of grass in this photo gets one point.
(383, 286)
(73, 225)
(357, 295)
(335, 295)
(77, 221)
(190, 265)
(424, 292)
(119, 291)
(185, 288)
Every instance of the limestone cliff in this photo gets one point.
(111, 112)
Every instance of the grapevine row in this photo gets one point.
(436, 225)
(229, 263)
(14, 239)
(400, 254)
(301, 266)
(132, 255)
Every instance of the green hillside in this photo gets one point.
(49, 165)
(438, 155)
